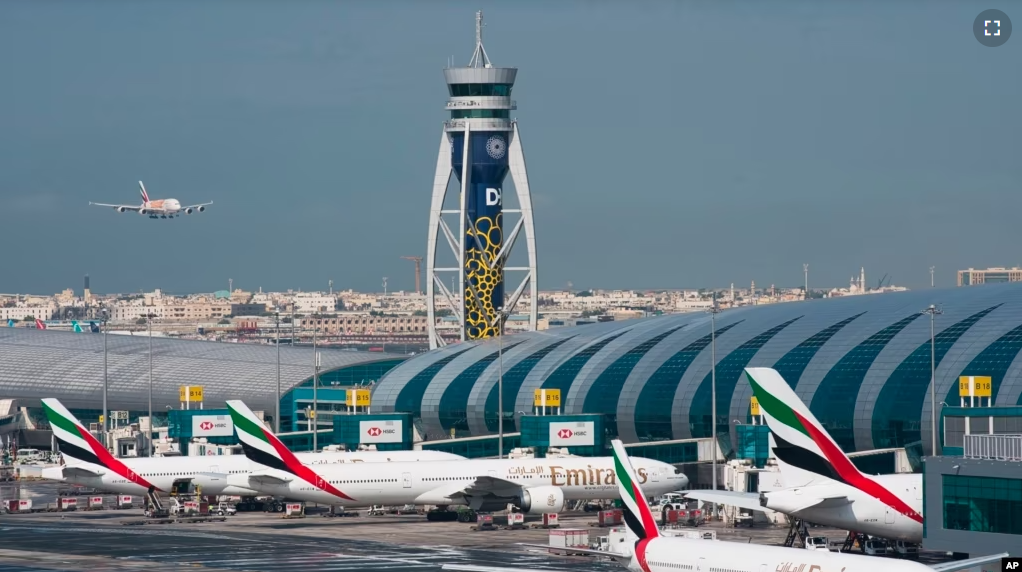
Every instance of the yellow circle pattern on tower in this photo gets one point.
(480, 312)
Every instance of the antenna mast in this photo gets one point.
(479, 57)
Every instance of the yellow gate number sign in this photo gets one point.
(546, 398)
(358, 398)
(754, 406)
(975, 386)
(190, 393)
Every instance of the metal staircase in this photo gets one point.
(797, 532)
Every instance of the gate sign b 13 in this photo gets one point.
(572, 434)
(212, 426)
(379, 431)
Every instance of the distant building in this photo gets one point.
(971, 277)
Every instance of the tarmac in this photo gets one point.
(112, 540)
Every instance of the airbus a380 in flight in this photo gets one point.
(646, 550)
(88, 463)
(821, 483)
(160, 208)
(535, 486)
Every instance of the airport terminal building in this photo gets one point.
(861, 362)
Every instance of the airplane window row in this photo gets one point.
(679, 566)
(363, 481)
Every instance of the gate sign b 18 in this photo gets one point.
(212, 426)
(572, 434)
(379, 431)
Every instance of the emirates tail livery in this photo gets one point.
(88, 463)
(535, 486)
(821, 483)
(647, 550)
(159, 208)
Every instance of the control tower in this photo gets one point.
(480, 145)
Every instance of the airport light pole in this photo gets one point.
(500, 382)
(315, 386)
(933, 311)
(149, 436)
(106, 413)
(714, 310)
(276, 414)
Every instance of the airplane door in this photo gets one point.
(889, 517)
(406, 480)
(214, 468)
(493, 473)
(701, 565)
(654, 475)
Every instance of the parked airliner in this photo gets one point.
(159, 208)
(535, 486)
(821, 483)
(646, 549)
(88, 463)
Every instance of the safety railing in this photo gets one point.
(1000, 447)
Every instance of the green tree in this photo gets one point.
(28, 319)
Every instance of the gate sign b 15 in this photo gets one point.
(572, 434)
(357, 398)
(212, 426)
(379, 431)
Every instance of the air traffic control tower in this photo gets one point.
(479, 146)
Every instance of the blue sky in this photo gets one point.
(670, 144)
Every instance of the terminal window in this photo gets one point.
(983, 504)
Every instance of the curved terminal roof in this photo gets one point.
(69, 366)
(861, 362)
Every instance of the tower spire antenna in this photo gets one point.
(479, 57)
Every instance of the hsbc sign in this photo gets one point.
(574, 434)
(212, 426)
(379, 431)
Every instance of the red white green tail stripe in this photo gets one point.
(264, 448)
(636, 513)
(802, 442)
(76, 443)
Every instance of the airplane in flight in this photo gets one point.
(821, 484)
(160, 208)
(647, 550)
(88, 463)
(535, 486)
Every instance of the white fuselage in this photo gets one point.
(862, 513)
(162, 206)
(211, 473)
(688, 555)
(443, 483)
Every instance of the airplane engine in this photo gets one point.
(201, 209)
(188, 211)
(143, 212)
(120, 209)
(539, 500)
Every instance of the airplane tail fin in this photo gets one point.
(77, 443)
(145, 195)
(93, 327)
(639, 519)
(10, 323)
(76, 326)
(39, 324)
(263, 447)
(805, 451)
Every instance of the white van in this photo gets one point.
(817, 543)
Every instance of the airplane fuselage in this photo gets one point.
(859, 511)
(673, 554)
(547, 481)
(210, 473)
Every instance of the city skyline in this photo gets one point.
(313, 129)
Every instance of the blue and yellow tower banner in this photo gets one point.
(484, 237)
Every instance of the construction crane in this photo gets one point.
(418, 272)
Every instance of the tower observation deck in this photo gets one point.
(480, 145)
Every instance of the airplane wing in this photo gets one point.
(624, 558)
(197, 206)
(748, 501)
(482, 486)
(971, 562)
(125, 207)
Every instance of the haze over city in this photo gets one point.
(692, 145)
